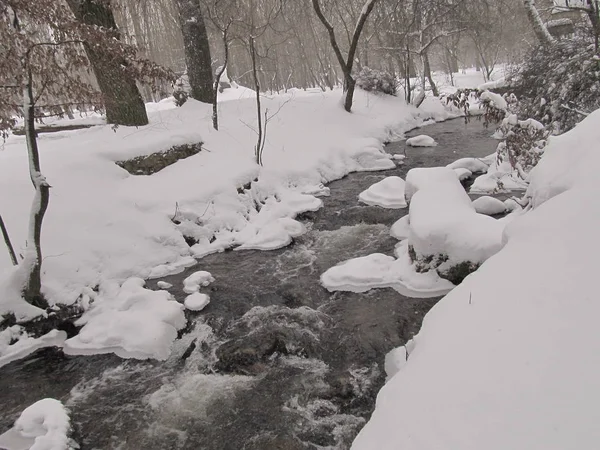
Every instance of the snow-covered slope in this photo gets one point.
(510, 359)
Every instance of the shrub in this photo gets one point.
(376, 81)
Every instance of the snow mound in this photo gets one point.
(443, 222)
(475, 165)
(499, 178)
(15, 343)
(401, 228)
(164, 285)
(192, 283)
(196, 301)
(463, 174)
(495, 100)
(398, 157)
(381, 271)
(45, 425)
(421, 141)
(163, 270)
(130, 321)
(489, 205)
(423, 177)
(387, 193)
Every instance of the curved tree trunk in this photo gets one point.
(197, 50)
(122, 100)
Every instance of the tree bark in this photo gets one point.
(215, 115)
(122, 100)
(11, 250)
(32, 262)
(537, 24)
(197, 50)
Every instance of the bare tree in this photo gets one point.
(347, 64)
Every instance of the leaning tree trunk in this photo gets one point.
(434, 89)
(122, 99)
(197, 50)
(539, 28)
(32, 262)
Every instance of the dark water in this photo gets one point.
(275, 361)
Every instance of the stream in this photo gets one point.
(274, 361)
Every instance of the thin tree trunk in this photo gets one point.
(33, 253)
(197, 50)
(122, 100)
(434, 88)
(259, 145)
(215, 115)
(11, 250)
(537, 24)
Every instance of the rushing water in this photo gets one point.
(275, 361)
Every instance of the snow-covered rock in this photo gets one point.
(45, 425)
(193, 283)
(164, 285)
(401, 228)
(421, 141)
(196, 301)
(422, 177)
(475, 165)
(130, 321)
(489, 205)
(387, 193)
(463, 174)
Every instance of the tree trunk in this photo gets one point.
(11, 250)
(537, 24)
(122, 100)
(197, 50)
(32, 262)
(220, 72)
(434, 88)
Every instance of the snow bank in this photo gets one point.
(474, 165)
(15, 343)
(387, 193)
(45, 425)
(489, 205)
(130, 321)
(421, 141)
(510, 359)
(463, 174)
(401, 228)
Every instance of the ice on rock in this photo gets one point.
(421, 141)
(193, 283)
(463, 174)
(401, 228)
(130, 321)
(196, 301)
(489, 205)
(475, 165)
(399, 157)
(387, 193)
(45, 425)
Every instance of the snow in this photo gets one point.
(105, 226)
(463, 174)
(421, 141)
(474, 165)
(489, 205)
(193, 283)
(510, 359)
(423, 177)
(45, 425)
(387, 193)
(164, 285)
(499, 178)
(196, 301)
(395, 360)
(15, 343)
(443, 221)
(380, 271)
(398, 157)
(130, 321)
(401, 228)
(494, 99)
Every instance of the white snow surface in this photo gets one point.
(193, 283)
(421, 141)
(423, 177)
(24, 344)
(495, 99)
(443, 221)
(463, 174)
(489, 205)
(387, 193)
(130, 321)
(474, 165)
(510, 359)
(401, 228)
(42, 426)
(196, 301)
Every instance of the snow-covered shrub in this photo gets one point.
(372, 80)
(559, 85)
(181, 90)
(523, 145)
(495, 106)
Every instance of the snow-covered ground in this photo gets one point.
(510, 359)
(105, 226)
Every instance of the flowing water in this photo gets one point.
(275, 361)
